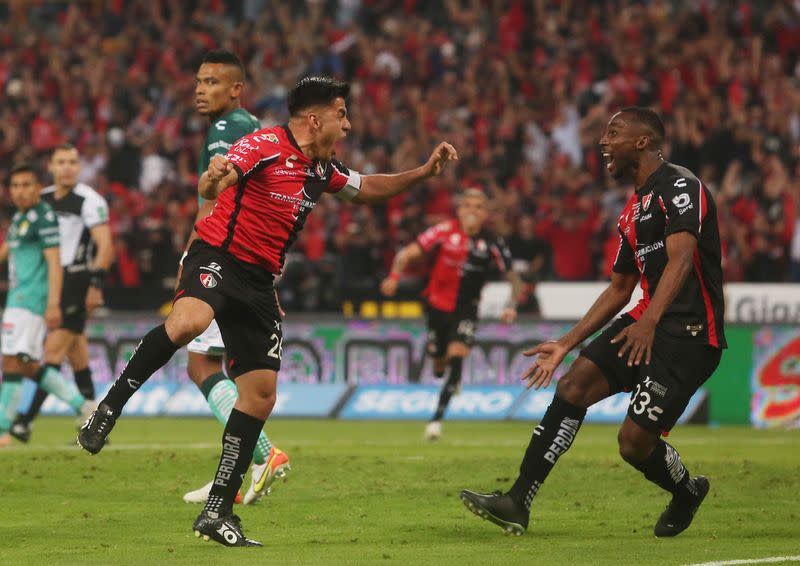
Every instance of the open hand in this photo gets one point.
(548, 357)
(637, 341)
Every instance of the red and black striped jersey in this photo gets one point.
(674, 200)
(258, 219)
(461, 266)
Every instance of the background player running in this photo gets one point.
(266, 187)
(465, 256)
(86, 254)
(35, 278)
(219, 83)
(662, 350)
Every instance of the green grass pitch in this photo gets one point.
(375, 493)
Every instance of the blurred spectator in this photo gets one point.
(523, 89)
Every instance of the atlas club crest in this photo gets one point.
(208, 280)
(646, 201)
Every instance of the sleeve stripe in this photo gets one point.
(259, 163)
(219, 143)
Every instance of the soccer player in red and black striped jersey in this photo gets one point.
(265, 188)
(661, 351)
(465, 256)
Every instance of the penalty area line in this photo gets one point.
(768, 560)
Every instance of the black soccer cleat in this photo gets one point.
(93, 433)
(498, 508)
(678, 515)
(20, 430)
(226, 530)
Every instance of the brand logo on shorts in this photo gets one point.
(208, 280)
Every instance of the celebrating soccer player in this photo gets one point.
(86, 254)
(661, 351)
(465, 256)
(219, 85)
(35, 279)
(265, 188)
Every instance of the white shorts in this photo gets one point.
(23, 333)
(209, 342)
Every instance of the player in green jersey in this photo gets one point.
(35, 278)
(219, 84)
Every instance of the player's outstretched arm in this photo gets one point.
(378, 188)
(220, 175)
(406, 255)
(550, 354)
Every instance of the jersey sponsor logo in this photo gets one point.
(563, 439)
(208, 280)
(681, 200)
(655, 386)
(645, 217)
(300, 204)
(646, 201)
(455, 239)
(646, 249)
(23, 227)
(680, 183)
(221, 125)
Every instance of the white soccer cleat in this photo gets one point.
(433, 431)
(263, 475)
(199, 495)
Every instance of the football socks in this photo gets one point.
(83, 379)
(665, 469)
(450, 386)
(10, 393)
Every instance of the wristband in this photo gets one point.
(183, 257)
(394, 276)
(97, 278)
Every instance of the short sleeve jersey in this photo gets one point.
(258, 219)
(78, 212)
(674, 200)
(223, 133)
(30, 233)
(461, 266)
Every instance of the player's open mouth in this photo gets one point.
(609, 160)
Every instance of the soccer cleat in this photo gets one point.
(201, 495)
(89, 406)
(264, 475)
(678, 515)
(498, 508)
(226, 530)
(433, 430)
(21, 430)
(92, 435)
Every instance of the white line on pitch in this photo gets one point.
(771, 559)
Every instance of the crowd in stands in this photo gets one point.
(523, 89)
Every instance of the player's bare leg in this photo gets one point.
(456, 352)
(661, 464)
(257, 395)
(582, 386)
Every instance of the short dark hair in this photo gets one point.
(315, 90)
(225, 57)
(650, 120)
(63, 147)
(24, 167)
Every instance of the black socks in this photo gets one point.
(153, 352)
(238, 442)
(450, 386)
(550, 439)
(665, 469)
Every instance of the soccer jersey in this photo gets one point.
(30, 233)
(674, 200)
(258, 219)
(80, 210)
(463, 264)
(223, 133)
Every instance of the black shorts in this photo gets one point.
(660, 391)
(445, 327)
(73, 301)
(245, 308)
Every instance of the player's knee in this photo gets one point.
(184, 328)
(633, 448)
(572, 390)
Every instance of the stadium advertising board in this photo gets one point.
(776, 377)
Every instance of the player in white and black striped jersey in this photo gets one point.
(86, 254)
